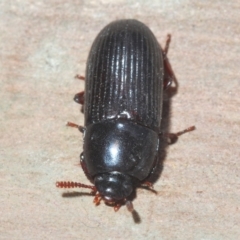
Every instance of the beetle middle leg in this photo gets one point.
(79, 97)
(173, 137)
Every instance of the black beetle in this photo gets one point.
(125, 76)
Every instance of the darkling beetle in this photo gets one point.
(125, 76)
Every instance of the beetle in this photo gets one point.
(126, 74)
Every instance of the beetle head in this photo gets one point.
(113, 186)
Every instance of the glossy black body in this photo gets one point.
(122, 107)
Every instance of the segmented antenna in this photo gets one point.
(74, 185)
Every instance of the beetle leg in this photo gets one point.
(173, 137)
(148, 184)
(79, 77)
(169, 75)
(79, 98)
(97, 199)
(117, 206)
(80, 128)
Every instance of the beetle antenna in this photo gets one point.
(74, 185)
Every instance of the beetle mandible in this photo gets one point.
(125, 76)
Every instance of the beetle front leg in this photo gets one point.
(148, 186)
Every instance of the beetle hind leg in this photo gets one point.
(169, 75)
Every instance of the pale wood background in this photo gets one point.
(43, 45)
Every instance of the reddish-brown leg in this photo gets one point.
(80, 128)
(97, 199)
(117, 206)
(173, 137)
(79, 98)
(148, 184)
(80, 77)
(169, 75)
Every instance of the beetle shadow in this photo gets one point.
(76, 194)
(165, 127)
(135, 215)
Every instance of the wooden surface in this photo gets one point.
(43, 45)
